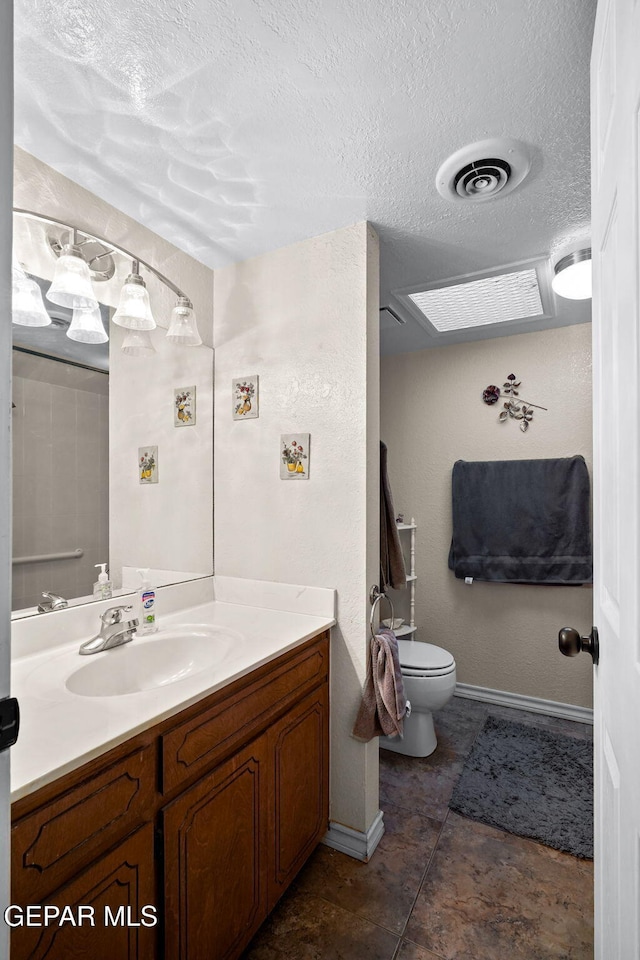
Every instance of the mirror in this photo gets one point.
(84, 415)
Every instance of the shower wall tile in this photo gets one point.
(60, 491)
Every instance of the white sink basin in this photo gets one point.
(147, 663)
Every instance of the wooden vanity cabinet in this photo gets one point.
(208, 816)
(216, 858)
(299, 792)
(121, 881)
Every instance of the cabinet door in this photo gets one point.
(299, 747)
(123, 882)
(90, 812)
(215, 847)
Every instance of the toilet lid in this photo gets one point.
(424, 656)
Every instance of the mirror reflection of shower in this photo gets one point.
(60, 426)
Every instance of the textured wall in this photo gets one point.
(502, 636)
(305, 319)
(166, 525)
(60, 430)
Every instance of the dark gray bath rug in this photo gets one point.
(531, 782)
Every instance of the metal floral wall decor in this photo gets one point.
(514, 407)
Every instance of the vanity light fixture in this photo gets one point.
(27, 305)
(71, 285)
(572, 275)
(183, 329)
(86, 326)
(134, 309)
(76, 271)
(138, 343)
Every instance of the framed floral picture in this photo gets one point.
(184, 407)
(148, 464)
(294, 456)
(245, 398)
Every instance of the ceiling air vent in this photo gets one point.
(389, 318)
(483, 170)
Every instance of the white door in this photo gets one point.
(6, 177)
(615, 148)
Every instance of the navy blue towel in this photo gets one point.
(521, 521)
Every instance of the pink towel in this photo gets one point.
(384, 704)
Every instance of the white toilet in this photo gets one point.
(429, 675)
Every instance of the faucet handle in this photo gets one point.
(51, 601)
(114, 614)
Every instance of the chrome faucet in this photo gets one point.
(113, 632)
(51, 601)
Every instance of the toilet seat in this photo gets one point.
(424, 659)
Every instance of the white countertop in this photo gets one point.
(61, 730)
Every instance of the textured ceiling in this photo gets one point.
(233, 127)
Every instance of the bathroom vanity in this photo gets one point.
(206, 815)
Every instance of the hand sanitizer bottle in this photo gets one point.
(102, 588)
(147, 598)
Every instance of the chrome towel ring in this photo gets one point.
(375, 596)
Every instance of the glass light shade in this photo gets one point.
(17, 273)
(71, 285)
(86, 327)
(137, 343)
(572, 278)
(183, 329)
(134, 309)
(28, 309)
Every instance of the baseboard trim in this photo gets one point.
(553, 708)
(355, 843)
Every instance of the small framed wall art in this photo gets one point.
(245, 398)
(294, 456)
(184, 407)
(148, 464)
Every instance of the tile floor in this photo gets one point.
(439, 886)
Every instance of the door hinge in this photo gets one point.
(9, 722)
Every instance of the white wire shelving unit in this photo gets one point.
(408, 629)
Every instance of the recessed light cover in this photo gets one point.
(572, 277)
(477, 303)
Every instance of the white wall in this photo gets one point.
(502, 636)
(6, 159)
(169, 524)
(305, 319)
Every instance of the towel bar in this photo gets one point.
(375, 596)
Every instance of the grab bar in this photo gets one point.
(375, 596)
(43, 557)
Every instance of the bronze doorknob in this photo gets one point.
(571, 643)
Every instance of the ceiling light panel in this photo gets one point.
(496, 299)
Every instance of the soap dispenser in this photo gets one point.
(102, 588)
(147, 603)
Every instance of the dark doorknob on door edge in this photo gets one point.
(571, 643)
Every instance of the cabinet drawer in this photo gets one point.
(237, 716)
(78, 824)
(121, 880)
